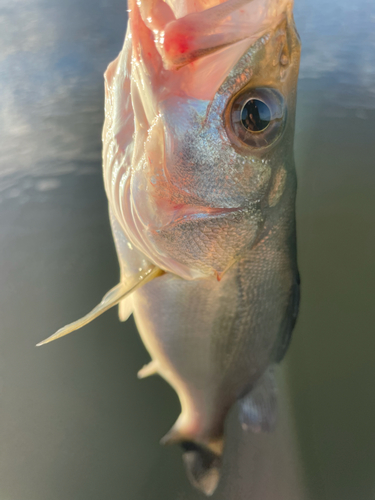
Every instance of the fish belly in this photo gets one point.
(212, 340)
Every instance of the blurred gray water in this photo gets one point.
(75, 423)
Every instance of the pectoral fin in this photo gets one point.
(110, 299)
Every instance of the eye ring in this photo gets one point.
(264, 117)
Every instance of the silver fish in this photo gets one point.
(199, 173)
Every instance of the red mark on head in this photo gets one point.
(178, 43)
(181, 206)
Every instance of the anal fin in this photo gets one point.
(258, 409)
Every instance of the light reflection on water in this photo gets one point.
(57, 260)
(52, 57)
(338, 43)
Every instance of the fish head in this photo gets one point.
(213, 150)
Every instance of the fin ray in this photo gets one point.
(110, 299)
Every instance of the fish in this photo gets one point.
(199, 172)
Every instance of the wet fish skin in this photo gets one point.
(223, 313)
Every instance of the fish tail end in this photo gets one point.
(202, 459)
(203, 466)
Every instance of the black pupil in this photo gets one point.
(256, 115)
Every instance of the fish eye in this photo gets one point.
(257, 116)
